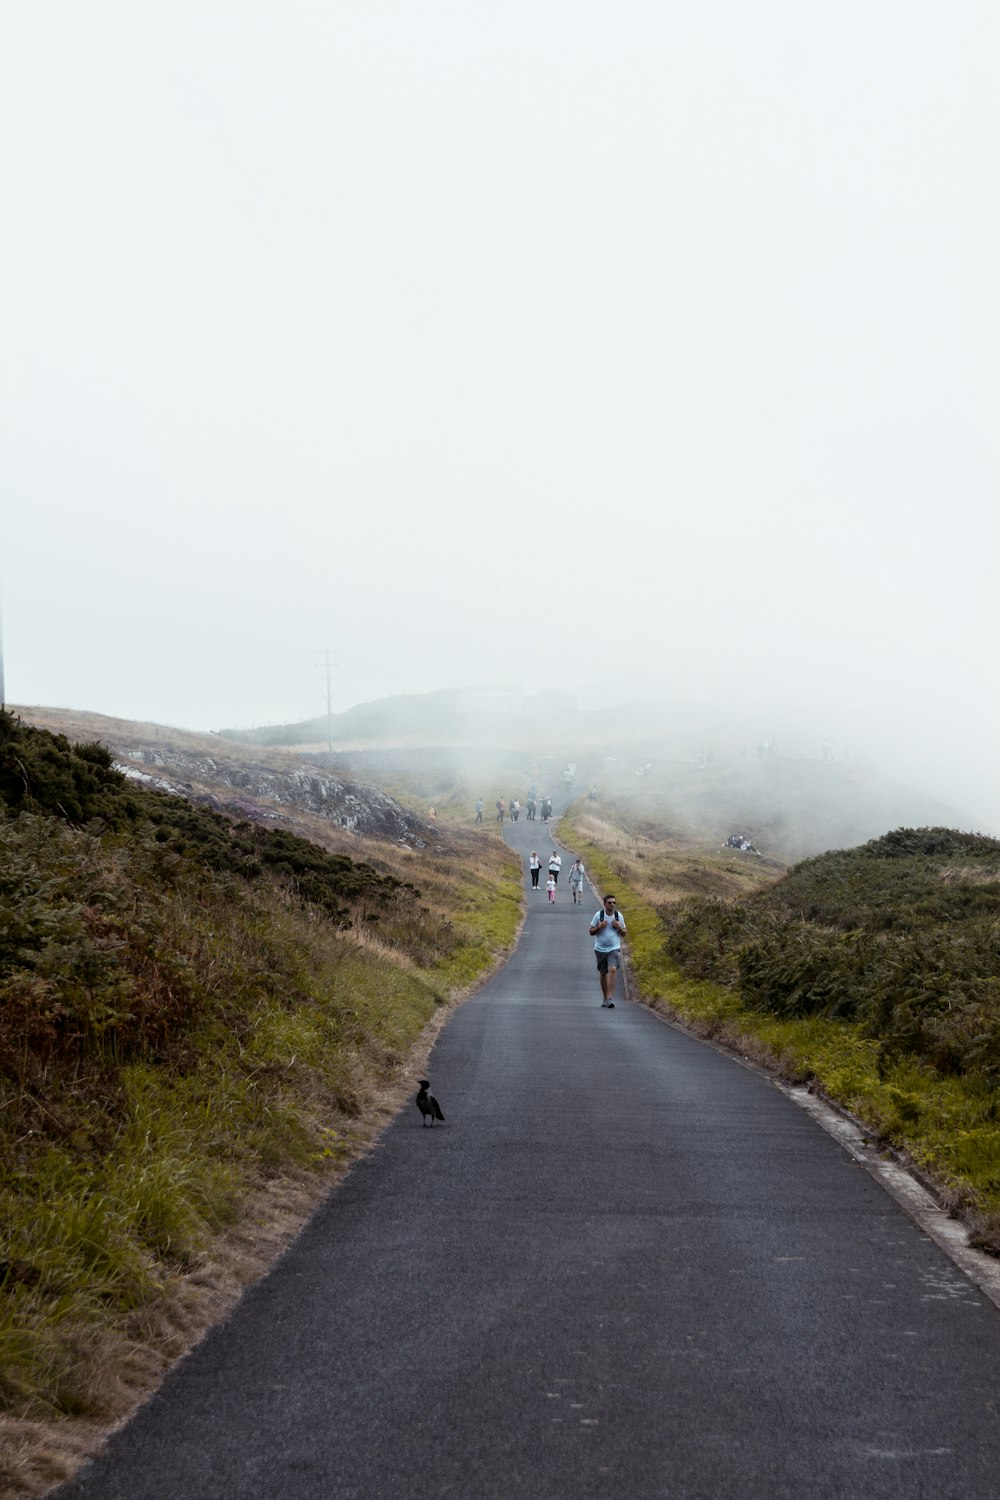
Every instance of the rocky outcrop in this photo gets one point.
(268, 792)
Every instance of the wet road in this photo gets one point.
(625, 1266)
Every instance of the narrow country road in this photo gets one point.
(626, 1266)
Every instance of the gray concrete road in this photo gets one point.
(625, 1266)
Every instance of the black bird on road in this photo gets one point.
(427, 1104)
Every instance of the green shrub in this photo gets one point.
(899, 935)
(43, 773)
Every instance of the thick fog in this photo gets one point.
(642, 348)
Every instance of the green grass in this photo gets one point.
(101, 1228)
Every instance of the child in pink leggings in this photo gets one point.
(550, 886)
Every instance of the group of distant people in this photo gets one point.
(740, 841)
(512, 809)
(577, 875)
(607, 927)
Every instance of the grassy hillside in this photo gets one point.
(662, 865)
(899, 936)
(873, 972)
(189, 1009)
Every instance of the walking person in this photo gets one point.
(607, 929)
(479, 810)
(515, 810)
(534, 865)
(555, 865)
(501, 809)
(577, 875)
(550, 886)
(531, 810)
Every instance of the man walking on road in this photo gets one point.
(576, 878)
(607, 929)
(555, 865)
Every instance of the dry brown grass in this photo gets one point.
(969, 875)
(82, 727)
(664, 868)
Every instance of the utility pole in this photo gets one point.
(329, 704)
(329, 707)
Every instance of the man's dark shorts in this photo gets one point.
(611, 960)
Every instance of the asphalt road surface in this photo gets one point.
(626, 1265)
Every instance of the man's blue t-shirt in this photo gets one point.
(607, 940)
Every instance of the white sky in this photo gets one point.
(460, 337)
